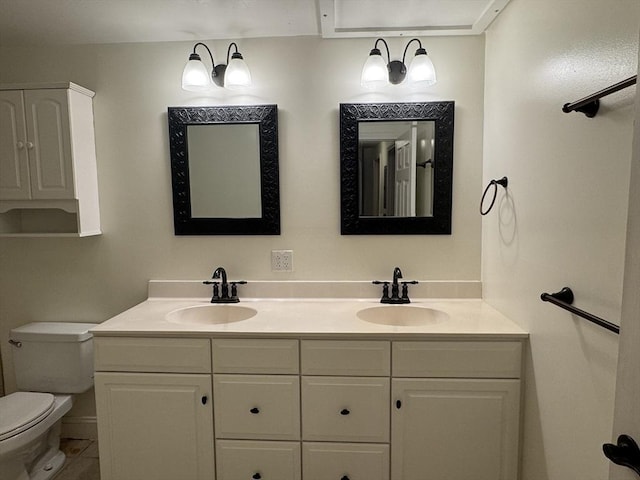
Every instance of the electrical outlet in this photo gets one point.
(282, 260)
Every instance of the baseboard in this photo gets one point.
(82, 428)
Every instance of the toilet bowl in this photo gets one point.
(49, 358)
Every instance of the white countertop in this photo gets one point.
(314, 318)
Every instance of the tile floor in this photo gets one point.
(82, 460)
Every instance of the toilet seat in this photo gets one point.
(22, 410)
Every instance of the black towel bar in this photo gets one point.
(590, 105)
(564, 299)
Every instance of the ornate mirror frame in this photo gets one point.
(351, 114)
(266, 117)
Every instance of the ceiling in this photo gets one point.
(41, 22)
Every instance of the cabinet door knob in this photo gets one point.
(29, 145)
(204, 399)
(398, 404)
(257, 476)
(344, 477)
(255, 410)
(345, 411)
(20, 145)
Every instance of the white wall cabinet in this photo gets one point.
(313, 409)
(48, 176)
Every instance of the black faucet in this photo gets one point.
(396, 297)
(223, 297)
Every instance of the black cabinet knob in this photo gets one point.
(398, 404)
(344, 478)
(204, 399)
(344, 411)
(257, 476)
(255, 410)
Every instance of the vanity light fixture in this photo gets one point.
(233, 74)
(377, 73)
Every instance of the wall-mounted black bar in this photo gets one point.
(564, 299)
(590, 105)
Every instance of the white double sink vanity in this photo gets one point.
(313, 389)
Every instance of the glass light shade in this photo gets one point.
(195, 77)
(374, 72)
(237, 74)
(421, 71)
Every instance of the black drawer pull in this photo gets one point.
(255, 410)
(344, 411)
(344, 478)
(204, 399)
(257, 476)
(398, 404)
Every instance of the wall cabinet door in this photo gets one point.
(35, 145)
(156, 426)
(14, 168)
(49, 143)
(455, 429)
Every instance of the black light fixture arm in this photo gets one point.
(404, 55)
(236, 53)
(195, 56)
(377, 50)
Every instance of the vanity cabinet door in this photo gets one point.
(455, 429)
(247, 460)
(345, 409)
(261, 407)
(345, 461)
(155, 426)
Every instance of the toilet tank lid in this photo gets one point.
(53, 332)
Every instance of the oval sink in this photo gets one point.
(211, 314)
(402, 315)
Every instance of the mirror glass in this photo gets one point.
(224, 165)
(396, 163)
(224, 171)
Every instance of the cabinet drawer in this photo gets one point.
(345, 409)
(167, 355)
(457, 359)
(359, 358)
(255, 356)
(257, 406)
(335, 461)
(239, 459)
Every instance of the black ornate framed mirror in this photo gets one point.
(396, 168)
(224, 170)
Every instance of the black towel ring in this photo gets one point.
(504, 181)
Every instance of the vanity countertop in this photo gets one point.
(314, 318)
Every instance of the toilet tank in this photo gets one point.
(53, 357)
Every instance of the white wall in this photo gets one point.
(563, 221)
(91, 279)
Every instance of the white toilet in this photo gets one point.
(49, 358)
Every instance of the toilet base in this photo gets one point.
(35, 454)
(48, 466)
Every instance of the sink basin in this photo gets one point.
(402, 315)
(211, 314)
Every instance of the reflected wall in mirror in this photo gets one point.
(224, 166)
(396, 163)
